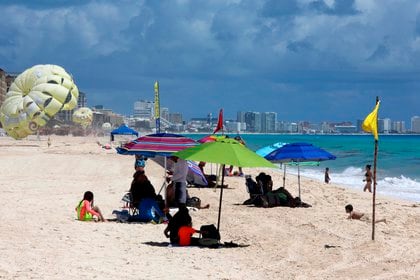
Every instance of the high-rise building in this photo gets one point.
(253, 121)
(209, 119)
(144, 109)
(268, 122)
(415, 124)
(359, 126)
(66, 116)
(292, 127)
(81, 100)
(164, 113)
(281, 126)
(387, 125)
(384, 125)
(326, 127)
(3, 86)
(240, 117)
(175, 118)
(398, 127)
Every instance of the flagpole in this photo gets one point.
(375, 157)
(157, 107)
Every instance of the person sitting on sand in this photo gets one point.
(354, 215)
(86, 211)
(211, 179)
(265, 182)
(181, 218)
(185, 236)
(141, 188)
(144, 198)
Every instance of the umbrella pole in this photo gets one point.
(284, 176)
(164, 182)
(221, 196)
(299, 180)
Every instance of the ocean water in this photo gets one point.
(398, 170)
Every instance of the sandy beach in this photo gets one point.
(41, 239)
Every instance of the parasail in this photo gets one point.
(106, 127)
(83, 116)
(35, 97)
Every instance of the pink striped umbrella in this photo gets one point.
(163, 144)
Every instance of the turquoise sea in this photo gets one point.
(398, 159)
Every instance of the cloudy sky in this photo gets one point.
(304, 59)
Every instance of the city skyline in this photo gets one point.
(305, 59)
(267, 122)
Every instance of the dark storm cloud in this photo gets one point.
(291, 57)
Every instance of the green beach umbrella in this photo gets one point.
(225, 151)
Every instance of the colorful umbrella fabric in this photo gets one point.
(163, 144)
(226, 152)
(270, 148)
(298, 153)
(211, 138)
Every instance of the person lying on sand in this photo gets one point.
(354, 215)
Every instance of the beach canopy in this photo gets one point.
(123, 130)
(298, 153)
(225, 151)
(162, 144)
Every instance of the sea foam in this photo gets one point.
(401, 186)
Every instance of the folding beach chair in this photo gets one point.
(128, 204)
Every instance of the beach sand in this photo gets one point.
(40, 238)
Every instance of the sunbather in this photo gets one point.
(354, 215)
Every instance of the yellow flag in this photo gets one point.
(370, 124)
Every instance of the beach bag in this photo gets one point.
(210, 236)
(194, 202)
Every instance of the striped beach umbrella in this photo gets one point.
(162, 144)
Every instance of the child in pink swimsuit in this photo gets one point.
(86, 211)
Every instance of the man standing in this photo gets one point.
(179, 178)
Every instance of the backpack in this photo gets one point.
(194, 202)
(210, 236)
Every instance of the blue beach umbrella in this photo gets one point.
(268, 149)
(297, 153)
